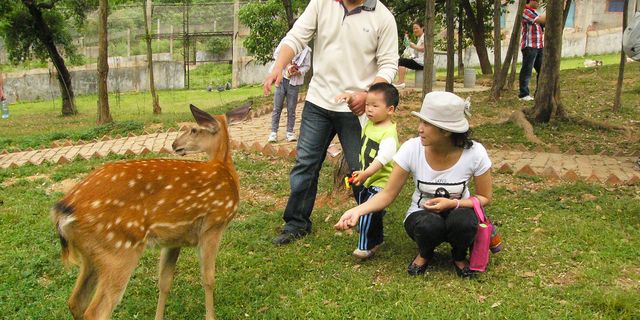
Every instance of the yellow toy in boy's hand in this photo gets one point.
(348, 181)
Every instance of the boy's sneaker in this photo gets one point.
(526, 98)
(273, 137)
(291, 137)
(399, 85)
(366, 254)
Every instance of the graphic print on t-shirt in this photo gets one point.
(435, 189)
(370, 152)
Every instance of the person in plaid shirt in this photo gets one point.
(531, 46)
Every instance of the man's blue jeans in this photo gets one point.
(531, 58)
(318, 127)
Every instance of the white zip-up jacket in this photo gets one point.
(350, 49)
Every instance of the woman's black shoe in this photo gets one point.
(464, 272)
(416, 270)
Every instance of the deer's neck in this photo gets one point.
(222, 153)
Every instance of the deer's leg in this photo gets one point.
(83, 289)
(209, 245)
(113, 273)
(168, 258)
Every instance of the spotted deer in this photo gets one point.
(106, 221)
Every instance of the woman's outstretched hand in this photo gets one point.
(348, 220)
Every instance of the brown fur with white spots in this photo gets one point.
(106, 221)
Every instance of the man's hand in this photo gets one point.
(275, 77)
(542, 19)
(357, 102)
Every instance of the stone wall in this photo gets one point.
(124, 76)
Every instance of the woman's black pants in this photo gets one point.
(457, 227)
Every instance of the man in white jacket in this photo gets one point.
(356, 45)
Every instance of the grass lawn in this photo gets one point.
(571, 251)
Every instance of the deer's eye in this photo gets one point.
(194, 130)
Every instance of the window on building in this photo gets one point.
(615, 6)
(503, 18)
(571, 15)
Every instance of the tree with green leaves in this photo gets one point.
(268, 22)
(32, 28)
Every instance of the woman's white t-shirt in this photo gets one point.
(411, 157)
(419, 55)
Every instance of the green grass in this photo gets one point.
(32, 124)
(571, 251)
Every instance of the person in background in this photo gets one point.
(531, 46)
(355, 46)
(417, 61)
(442, 160)
(293, 78)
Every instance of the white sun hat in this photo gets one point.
(445, 110)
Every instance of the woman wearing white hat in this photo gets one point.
(442, 160)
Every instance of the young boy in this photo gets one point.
(379, 145)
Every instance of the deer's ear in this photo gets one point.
(204, 119)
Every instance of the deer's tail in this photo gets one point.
(62, 216)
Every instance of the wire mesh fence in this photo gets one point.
(197, 35)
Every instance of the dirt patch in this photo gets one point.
(11, 181)
(629, 279)
(152, 127)
(513, 183)
(64, 186)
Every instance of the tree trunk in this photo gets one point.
(104, 116)
(450, 46)
(547, 99)
(514, 45)
(44, 34)
(427, 83)
(477, 30)
(510, 84)
(623, 60)
(147, 37)
(288, 9)
(460, 37)
(497, 43)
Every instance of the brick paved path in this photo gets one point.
(252, 133)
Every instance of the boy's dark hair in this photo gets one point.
(420, 23)
(462, 140)
(391, 95)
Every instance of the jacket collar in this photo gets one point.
(368, 5)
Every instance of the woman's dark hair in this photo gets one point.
(419, 22)
(462, 140)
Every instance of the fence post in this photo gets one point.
(235, 63)
(129, 42)
(171, 43)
